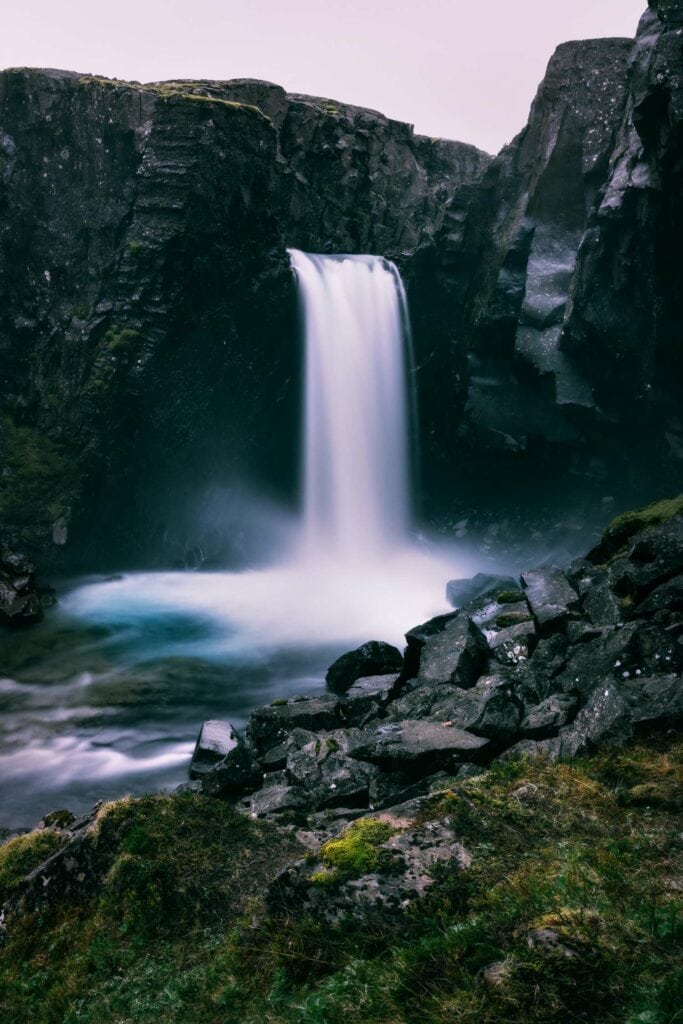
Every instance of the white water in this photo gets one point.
(355, 573)
(355, 444)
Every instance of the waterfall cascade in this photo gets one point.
(355, 443)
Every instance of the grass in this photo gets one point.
(570, 912)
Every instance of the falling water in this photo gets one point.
(355, 445)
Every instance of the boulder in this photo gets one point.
(461, 592)
(374, 658)
(547, 718)
(602, 606)
(666, 597)
(604, 720)
(655, 702)
(276, 757)
(487, 709)
(456, 655)
(215, 741)
(420, 747)
(280, 800)
(235, 774)
(328, 776)
(269, 726)
(367, 697)
(417, 637)
(551, 597)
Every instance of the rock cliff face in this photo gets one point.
(148, 353)
(147, 335)
(564, 280)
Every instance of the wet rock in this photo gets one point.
(551, 597)
(461, 592)
(236, 773)
(655, 702)
(604, 720)
(374, 658)
(276, 757)
(488, 709)
(388, 788)
(513, 645)
(417, 637)
(456, 655)
(215, 741)
(500, 711)
(269, 727)
(602, 607)
(420, 747)
(666, 597)
(276, 801)
(547, 718)
(329, 777)
(368, 696)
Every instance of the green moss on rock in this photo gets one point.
(19, 856)
(357, 851)
(628, 524)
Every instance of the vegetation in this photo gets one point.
(19, 856)
(35, 466)
(569, 912)
(628, 524)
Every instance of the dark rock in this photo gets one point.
(601, 606)
(374, 658)
(236, 773)
(537, 675)
(551, 597)
(275, 758)
(269, 727)
(461, 592)
(18, 609)
(456, 655)
(500, 713)
(329, 777)
(389, 788)
(666, 597)
(513, 645)
(487, 709)
(417, 637)
(604, 720)
(286, 801)
(215, 741)
(655, 702)
(547, 718)
(367, 697)
(419, 747)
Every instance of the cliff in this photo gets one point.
(147, 335)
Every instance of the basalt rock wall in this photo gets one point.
(148, 342)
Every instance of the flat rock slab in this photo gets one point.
(413, 745)
(456, 655)
(551, 597)
(269, 727)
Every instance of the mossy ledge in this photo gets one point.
(623, 527)
(570, 911)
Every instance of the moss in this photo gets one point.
(509, 596)
(40, 478)
(19, 856)
(179, 932)
(625, 526)
(279, 702)
(357, 851)
(511, 619)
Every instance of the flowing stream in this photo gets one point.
(107, 695)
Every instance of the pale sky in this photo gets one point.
(462, 69)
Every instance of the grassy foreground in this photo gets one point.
(569, 912)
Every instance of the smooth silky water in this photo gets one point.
(107, 696)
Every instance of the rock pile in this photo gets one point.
(565, 663)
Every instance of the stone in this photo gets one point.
(374, 658)
(368, 696)
(420, 747)
(655, 702)
(236, 773)
(269, 726)
(286, 801)
(461, 592)
(604, 720)
(602, 607)
(417, 637)
(547, 718)
(666, 597)
(500, 711)
(328, 776)
(456, 655)
(551, 597)
(215, 741)
(389, 788)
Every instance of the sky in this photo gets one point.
(461, 69)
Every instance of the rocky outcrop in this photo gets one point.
(542, 670)
(148, 341)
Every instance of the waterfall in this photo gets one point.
(356, 501)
